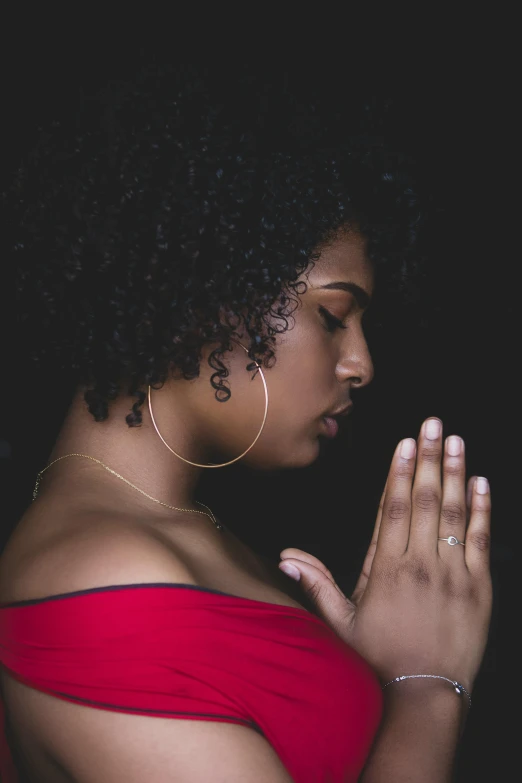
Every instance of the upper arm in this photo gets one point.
(99, 746)
(103, 746)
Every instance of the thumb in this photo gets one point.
(321, 589)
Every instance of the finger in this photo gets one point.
(469, 494)
(305, 557)
(478, 534)
(366, 570)
(426, 495)
(394, 527)
(329, 601)
(453, 506)
(360, 587)
(377, 527)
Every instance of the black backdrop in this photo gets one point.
(454, 354)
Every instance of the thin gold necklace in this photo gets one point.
(189, 510)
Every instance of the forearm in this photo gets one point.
(419, 733)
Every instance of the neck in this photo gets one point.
(136, 453)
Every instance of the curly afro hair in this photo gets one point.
(164, 201)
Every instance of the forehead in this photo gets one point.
(345, 258)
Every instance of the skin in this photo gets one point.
(419, 605)
(314, 374)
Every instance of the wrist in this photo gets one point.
(458, 687)
(432, 698)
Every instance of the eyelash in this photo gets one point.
(332, 323)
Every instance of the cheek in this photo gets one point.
(303, 374)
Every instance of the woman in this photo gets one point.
(203, 264)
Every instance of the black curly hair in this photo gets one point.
(165, 201)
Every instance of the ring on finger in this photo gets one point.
(452, 541)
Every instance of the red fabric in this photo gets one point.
(181, 651)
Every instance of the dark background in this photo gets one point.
(453, 354)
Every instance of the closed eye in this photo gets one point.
(331, 322)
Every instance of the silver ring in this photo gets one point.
(452, 541)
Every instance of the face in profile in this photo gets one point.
(319, 360)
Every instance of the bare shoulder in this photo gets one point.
(97, 555)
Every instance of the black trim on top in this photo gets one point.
(108, 588)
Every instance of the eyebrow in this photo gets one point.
(359, 294)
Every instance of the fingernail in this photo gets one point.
(454, 445)
(481, 485)
(408, 448)
(290, 570)
(433, 429)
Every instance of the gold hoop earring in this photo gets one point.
(224, 464)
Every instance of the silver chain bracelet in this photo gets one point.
(460, 689)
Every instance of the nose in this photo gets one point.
(355, 362)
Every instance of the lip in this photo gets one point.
(331, 426)
(341, 411)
